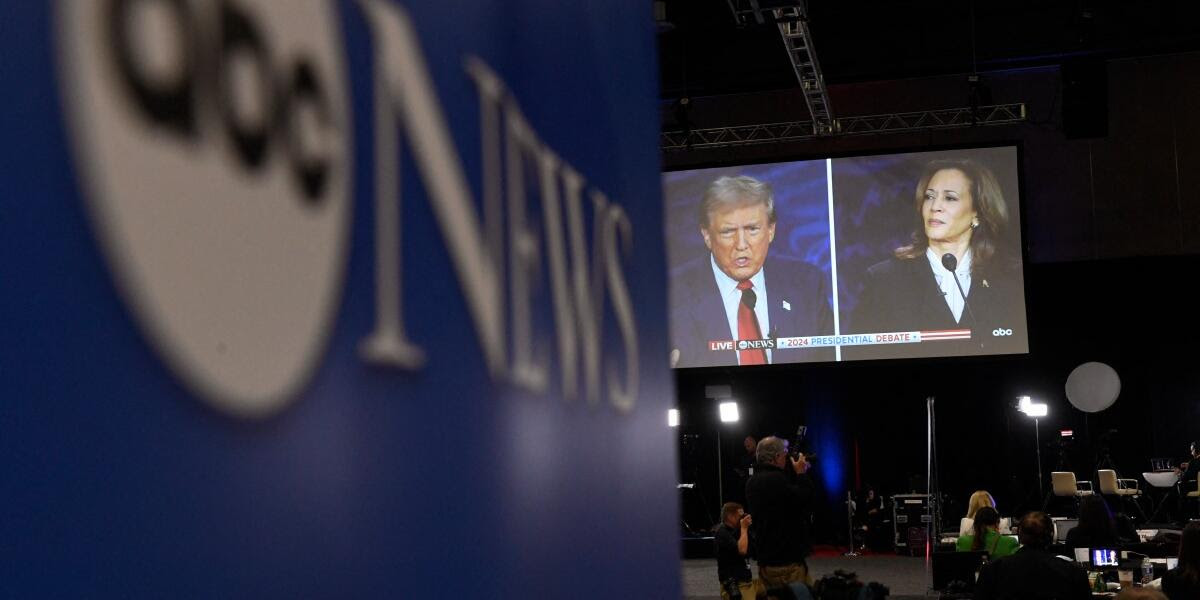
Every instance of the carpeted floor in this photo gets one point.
(904, 576)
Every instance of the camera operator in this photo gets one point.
(733, 544)
(779, 496)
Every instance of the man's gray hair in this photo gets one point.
(729, 191)
(769, 448)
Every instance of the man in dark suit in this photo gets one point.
(1033, 573)
(736, 292)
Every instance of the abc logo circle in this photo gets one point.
(213, 140)
(1001, 332)
(742, 345)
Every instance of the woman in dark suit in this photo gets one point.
(961, 221)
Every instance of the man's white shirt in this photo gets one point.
(731, 297)
(943, 277)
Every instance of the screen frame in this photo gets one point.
(807, 155)
(1096, 555)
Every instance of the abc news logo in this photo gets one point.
(261, 102)
(215, 142)
(1001, 332)
(768, 344)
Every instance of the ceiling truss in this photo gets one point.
(791, 17)
(796, 131)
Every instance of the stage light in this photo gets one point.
(673, 417)
(1036, 409)
(1031, 408)
(729, 412)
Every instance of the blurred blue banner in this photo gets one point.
(333, 299)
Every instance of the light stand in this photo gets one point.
(729, 414)
(1037, 439)
(932, 492)
(720, 473)
(850, 519)
(1036, 410)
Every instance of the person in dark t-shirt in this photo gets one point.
(733, 544)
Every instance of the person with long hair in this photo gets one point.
(985, 535)
(978, 500)
(961, 231)
(1097, 528)
(1183, 582)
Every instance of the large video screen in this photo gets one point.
(868, 257)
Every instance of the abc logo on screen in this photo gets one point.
(1001, 332)
(214, 145)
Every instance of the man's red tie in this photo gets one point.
(748, 328)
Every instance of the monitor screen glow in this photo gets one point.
(915, 255)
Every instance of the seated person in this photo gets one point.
(1096, 528)
(1033, 572)
(1183, 582)
(733, 544)
(979, 500)
(868, 507)
(1189, 471)
(986, 537)
(869, 517)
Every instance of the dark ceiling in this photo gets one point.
(704, 52)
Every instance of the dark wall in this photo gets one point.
(1132, 193)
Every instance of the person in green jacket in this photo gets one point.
(986, 536)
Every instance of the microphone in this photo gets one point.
(951, 263)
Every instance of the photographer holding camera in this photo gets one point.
(780, 495)
(733, 544)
